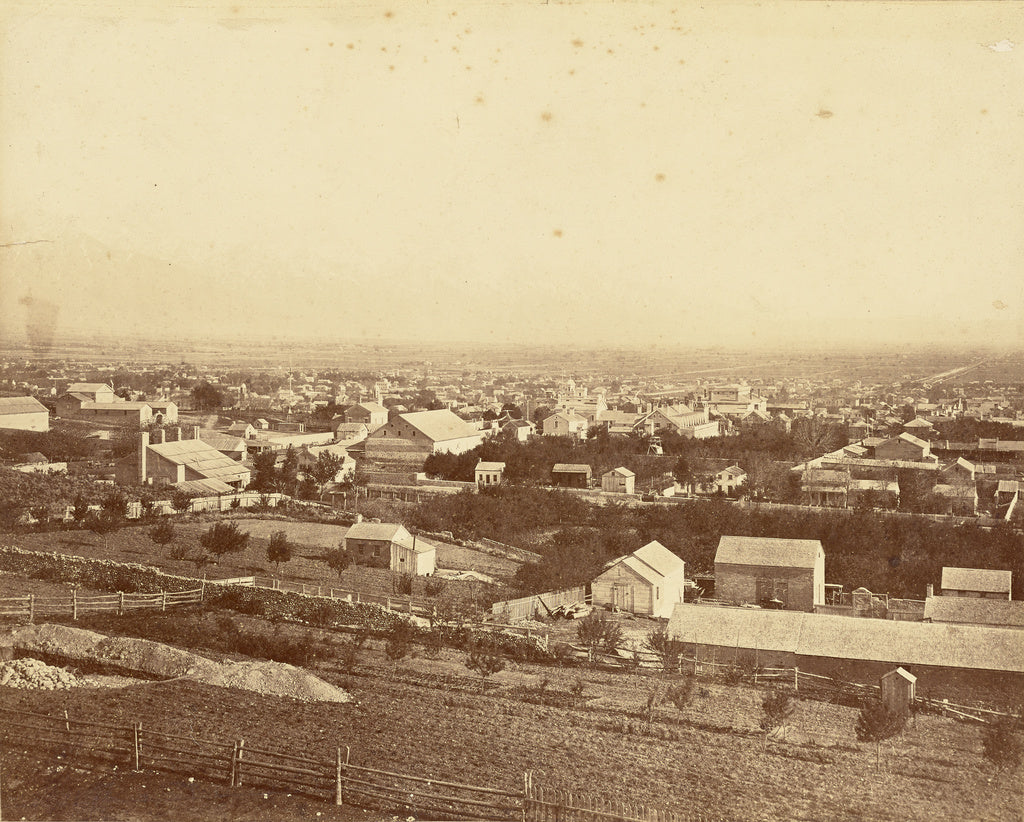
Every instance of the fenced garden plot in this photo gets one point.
(30, 606)
(96, 745)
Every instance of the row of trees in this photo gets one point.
(895, 555)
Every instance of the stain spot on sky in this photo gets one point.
(999, 305)
(682, 62)
(824, 113)
(659, 177)
(350, 45)
(545, 116)
(984, 111)
(391, 68)
(479, 100)
(557, 232)
(577, 42)
(389, 14)
(331, 45)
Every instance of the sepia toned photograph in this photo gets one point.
(521, 411)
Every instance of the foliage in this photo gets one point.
(224, 538)
(324, 470)
(484, 656)
(338, 560)
(599, 632)
(680, 693)
(181, 499)
(102, 524)
(279, 549)
(876, 723)
(206, 397)
(776, 708)
(264, 472)
(162, 533)
(402, 584)
(399, 642)
(114, 505)
(1001, 743)
(668, 650)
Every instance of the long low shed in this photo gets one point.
(978, 648)
(954, 661)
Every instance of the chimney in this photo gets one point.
(929, 590)
(143, 447)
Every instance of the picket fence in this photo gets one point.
(97, 745)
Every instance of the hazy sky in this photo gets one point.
(632, 173)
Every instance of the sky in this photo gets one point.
(631, 174)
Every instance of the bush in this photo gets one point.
(681, 693)
(484, 656)
(1001, 743)
(668, 650)
(776, 708)
(598, 632)
(224, 538)
(877, 723)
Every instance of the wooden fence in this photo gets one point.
(516, 610)
(98, 745)
(73, 605)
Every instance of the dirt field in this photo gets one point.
(432, 717)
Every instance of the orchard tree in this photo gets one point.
(483, 655)
(181, 500)
(324, 470)
(776, 709)
(80, 509)
(279, 549)
(224, 538)
(338, 559)
(668, 650)
(264, 472)
(598, 632)
(102, 524)
(162, 533)
(876, 723)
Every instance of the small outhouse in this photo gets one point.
(898, 690)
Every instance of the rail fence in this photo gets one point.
(97, 745)
(31, 606)
(817, 686)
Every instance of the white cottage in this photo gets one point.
(648, 582)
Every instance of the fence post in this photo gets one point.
(31, 607)
(74, 603)
(67, 721)
(796, 678)
(236, 764)
(341, 775)
(120, 603)
(202, 590)
(163, 600)
(137, 734)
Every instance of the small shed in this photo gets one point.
(619, 481)
(489, 474)
(648, 582)
(898, 690)
(570, 475)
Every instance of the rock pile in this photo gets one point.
(33, 674)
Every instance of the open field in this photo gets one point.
(132, 544)
(433, 718)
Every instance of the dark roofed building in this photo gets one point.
(984, 583)
(567, 475)
(777, 573)
(23, 414)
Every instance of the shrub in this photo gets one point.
(484, 656)
(1001, 743)
(668, 650)
(598, 632)
(776, 707)
(279, 549)
(399, 642)
(224, 538)
(681, 692)
(877, 723)
(162, 533)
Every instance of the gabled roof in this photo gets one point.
(975, 611)
(201, 458)
(920, 443)
(919, 423)
(372, 407)
(621, 472)
(115, 406)
(1008, 486)
(569, 468)
(787, 553)
(658, 557)
(205, 487)
(21, 405)
(222, 442)
(490, 466)
(984, 580)
(439, 425)
(378, 531)
(88, 387)
(734, 471)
